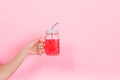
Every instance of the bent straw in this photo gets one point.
(53, 28)
(54, 25)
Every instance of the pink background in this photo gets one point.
(90, 38)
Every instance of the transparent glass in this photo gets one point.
(52, 43)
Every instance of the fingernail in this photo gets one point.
(39, 46)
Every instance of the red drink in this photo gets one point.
(52, 43)
(52, 46)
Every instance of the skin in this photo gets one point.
(33, 48)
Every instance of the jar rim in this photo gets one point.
(52, 31)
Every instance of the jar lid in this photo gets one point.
(52, 31)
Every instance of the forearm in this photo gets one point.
(9, 68)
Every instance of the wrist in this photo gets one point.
(24, 52)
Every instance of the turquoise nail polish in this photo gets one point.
(39, 47)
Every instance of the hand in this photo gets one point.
(34, 47)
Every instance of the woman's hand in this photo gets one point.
(34, 47)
